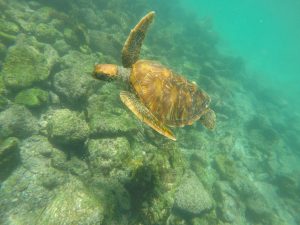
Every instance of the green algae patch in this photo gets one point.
(25, 65)
(32, 98)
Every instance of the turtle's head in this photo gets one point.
(106, 72)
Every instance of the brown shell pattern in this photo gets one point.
(170, 97)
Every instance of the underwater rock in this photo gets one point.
(191, 197)
(262, 131)
(76, 36)
(66, 127)
(258, 212)
(22, 196)
(9, 27)
(62, 47)
(229, 207)
(36, 153)
(2, 87)
(73, 86)
(107, 116)
(28, 190)
(105, 43)
(73, 204)
(3, 50)
(3, 103)
(288, 185)
(108, 154)
(17, 121)
(155, 173)
(32, 98)
(8, 39)
(90, 18)
(3, 100)
(25, 65)
(46, 33)
(83, 63)
(9, 156)
(225, 167)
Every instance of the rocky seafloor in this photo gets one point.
(71, 153)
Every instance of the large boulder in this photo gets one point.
(108, 154)
(46, 33)
(32, 185)
(191, 197)
(66, 127)
(73, 85)
(230, 210)
(17, 121)
(79, 61)
(73, 204)
(27, 64)
(107, 115)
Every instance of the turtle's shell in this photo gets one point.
(170, 97)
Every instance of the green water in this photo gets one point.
(72, 153)
(264, 33)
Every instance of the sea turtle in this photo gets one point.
(158, 96)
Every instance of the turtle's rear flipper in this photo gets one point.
(133, 44)
(143, 113)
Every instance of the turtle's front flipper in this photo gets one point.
(143, 113)
(133, 44)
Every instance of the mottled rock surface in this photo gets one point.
(108, 154)
(9, 156)
(17, 121)
(31, 187)
(27, 64)
(66, 127)
(73, 204)
(73, 85)
(32, 98)
(191, 197)
(106, 115)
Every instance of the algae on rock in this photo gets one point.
(32, 98)
(73, 204)
(17, 121)
(154, 182)
(26, 192)
(84, 63)
(107, 156)
(107, 117)
(46, 33)
(27, 64)
(73, 86)
(66, 127)
(9, 156)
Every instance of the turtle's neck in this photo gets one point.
(124, 73)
